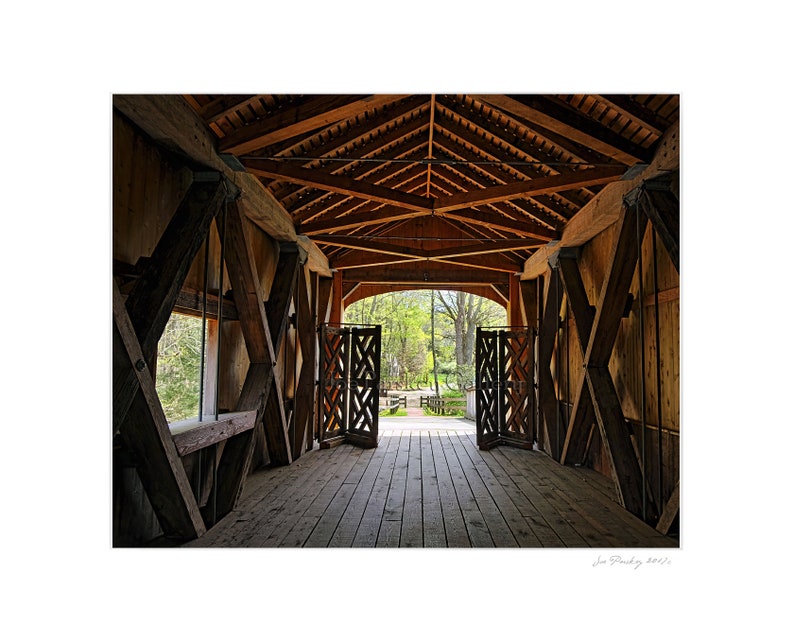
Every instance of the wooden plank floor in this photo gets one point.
(429, 486)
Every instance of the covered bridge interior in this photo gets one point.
(269, 214)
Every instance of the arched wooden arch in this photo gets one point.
(361, 291)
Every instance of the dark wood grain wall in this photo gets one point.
(148, 185)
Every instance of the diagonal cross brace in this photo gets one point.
(605, 403)
(147, 436)
(575, 445)
(153, 297)
(260, 392)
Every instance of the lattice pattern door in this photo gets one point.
(505, 387)
(518, 369)
(486, 349)
(334, 359)
(362, 427)
(349, 382)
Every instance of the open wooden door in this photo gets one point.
(505, 395)
(349, 383)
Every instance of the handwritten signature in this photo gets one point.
(634, 562)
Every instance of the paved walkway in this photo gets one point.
(390, 425)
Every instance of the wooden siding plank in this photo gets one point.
(353, 515)
(476, 526)
(411, 533)
(296, 500)
(496, 482)
(454, 523)
(335, 499)
(432, 517)
(395, 499)
(496, 524)
(369, 527)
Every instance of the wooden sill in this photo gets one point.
(192, 435)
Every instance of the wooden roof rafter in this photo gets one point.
(556, 116)
(524, 141)
(398, 170)
(310, 206)
(366, 148)
(314, 113)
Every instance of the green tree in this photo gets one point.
(178, 367)
(466, 312)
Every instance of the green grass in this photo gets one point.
(399, 413)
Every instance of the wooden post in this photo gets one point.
(515, 314)
(304, 392)
(337, 310)
(529, 298)
(547, 397)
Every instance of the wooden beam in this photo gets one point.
(357, 220)
(305, 387)
(194, 435)
(573, 284)
(605, 402)
(604, 209)
(524, 189)
(190, 300)
(612, 298)
(281, 291)
(155, 292)
(153, 297)
(324, 292)
(337, 303)
(560, 118)
(316, 261)
(172, 123)
(364, 259)
(670, 512)
(542, 208)
(401, 117)
(501, 296)
(389, 175)
(499, 143)
(574, 449)
(261, 325)
(339, 184)
(145, 434)
(481, 248)
(492, 261)
(246, 287)
(637, 113)
(662, 209)
(429, 272)
(238, 452)
(514, 313)
(547, 397)
(312, 114)
(375, 147)
(615, 435)
(500, 222)
(529, 298)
